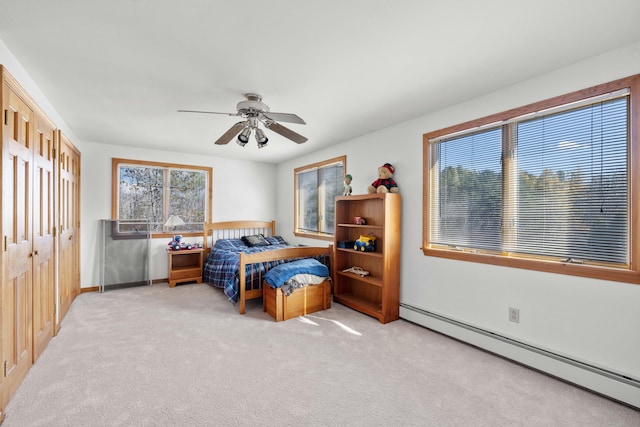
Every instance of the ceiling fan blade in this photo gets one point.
(230, 134)
(287, 133)
(207, 112)
(284, 117)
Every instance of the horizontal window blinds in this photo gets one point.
(572, 184)
(317, 188)
(553, 185)
(468, 209)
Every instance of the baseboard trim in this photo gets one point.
(610, 384)
(97, 288)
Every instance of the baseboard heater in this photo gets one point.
(608, 383)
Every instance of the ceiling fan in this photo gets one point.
(254, 111)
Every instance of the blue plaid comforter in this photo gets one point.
(222, 265)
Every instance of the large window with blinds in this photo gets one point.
(316, 187)
(548, 186)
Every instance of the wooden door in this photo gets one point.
(44, 268)
(69, 224)
(17, 345)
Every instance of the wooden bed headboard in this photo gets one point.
(234, 230)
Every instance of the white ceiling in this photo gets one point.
(118, 70)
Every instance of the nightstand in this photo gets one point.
(185, 265)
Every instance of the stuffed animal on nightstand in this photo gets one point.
(385, 182)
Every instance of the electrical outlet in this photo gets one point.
(514, 315)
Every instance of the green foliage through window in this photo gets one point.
(153, 192)
(553, 186)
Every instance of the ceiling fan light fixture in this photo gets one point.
(261, 138)
(243, 138)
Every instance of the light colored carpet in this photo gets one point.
(155, 356)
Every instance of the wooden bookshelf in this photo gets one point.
(378, 293)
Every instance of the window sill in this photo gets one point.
(177, 233)
(317, 236)
(548, 266)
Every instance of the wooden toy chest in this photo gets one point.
(305, 300)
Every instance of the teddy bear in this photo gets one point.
(385, 182)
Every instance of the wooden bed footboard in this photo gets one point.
(274, 255)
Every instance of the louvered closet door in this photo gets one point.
(17, 245)
(69, 221)
(44, 268)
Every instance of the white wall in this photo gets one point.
(589, 320)
(235, 196)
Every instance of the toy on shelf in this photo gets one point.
(346, 186)
(365, 243)
(385, 182)
(177, 244)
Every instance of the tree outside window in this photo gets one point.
(154, 191)
(544, 187)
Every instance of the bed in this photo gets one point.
(238, 268)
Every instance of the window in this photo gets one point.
(546, 187)
(316, 187)
(154, 191)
